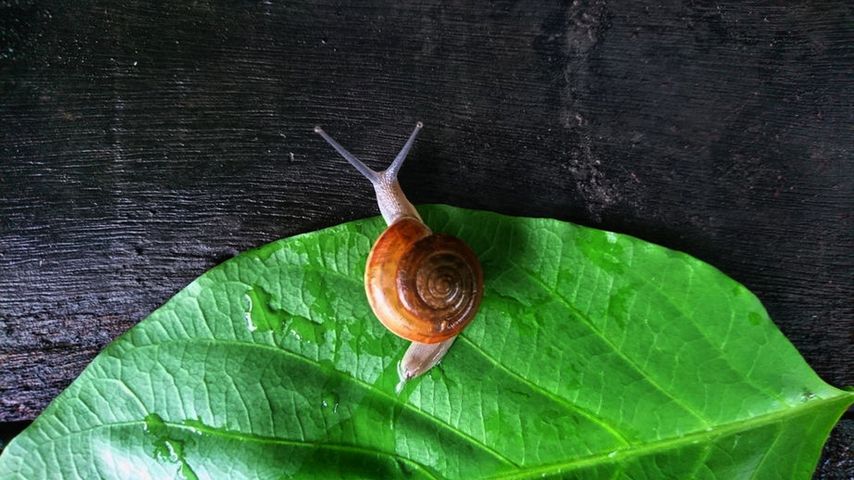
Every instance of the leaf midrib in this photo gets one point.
(252, 437)
(367, 386)
(717, 431)
(614, 456)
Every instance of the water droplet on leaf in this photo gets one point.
(168, 445)
(250, 325)
(329, 400)
(754, 318)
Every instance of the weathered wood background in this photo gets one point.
(141, 143)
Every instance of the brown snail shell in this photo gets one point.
(423, 286)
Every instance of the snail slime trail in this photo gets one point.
(424, 287)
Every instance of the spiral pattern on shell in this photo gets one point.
(424, 287)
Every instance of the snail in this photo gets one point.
(424, 287)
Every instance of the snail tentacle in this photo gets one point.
(369, 173)
(390, 198)
(401, 157)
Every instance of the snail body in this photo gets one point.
(422, 286)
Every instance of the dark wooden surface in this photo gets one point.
(141, 143)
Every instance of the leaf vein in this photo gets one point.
(589, 323)
(690, 318)
(593, 417)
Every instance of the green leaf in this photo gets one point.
(595, 355)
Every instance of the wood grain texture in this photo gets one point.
(144, 142)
